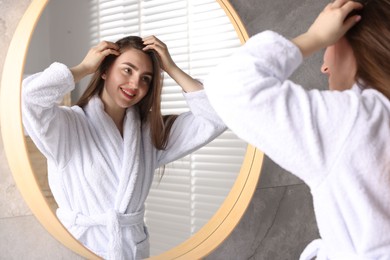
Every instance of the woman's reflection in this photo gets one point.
(102, 152)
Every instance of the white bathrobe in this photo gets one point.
(337, 142)
(99, 179)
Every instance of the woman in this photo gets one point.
(102, 152)
(336, 141)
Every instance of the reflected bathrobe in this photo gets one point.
(100, 180)
(336, 142)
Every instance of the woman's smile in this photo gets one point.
(128, 93)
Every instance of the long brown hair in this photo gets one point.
(370, 41)
(150, 106)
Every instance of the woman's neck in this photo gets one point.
(117, 116)
(116, 113)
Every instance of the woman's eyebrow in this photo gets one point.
(136, 68)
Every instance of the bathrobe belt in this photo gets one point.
(113, 221)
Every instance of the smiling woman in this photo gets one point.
(202, 242)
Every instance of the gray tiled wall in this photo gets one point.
(279, 221)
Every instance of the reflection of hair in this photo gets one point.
(149, 106)
(370, 41)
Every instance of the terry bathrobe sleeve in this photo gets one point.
(193, 129)
(303, 131)
(48, 124)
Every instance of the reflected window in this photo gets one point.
(198, 34)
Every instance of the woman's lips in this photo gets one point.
(129, 93)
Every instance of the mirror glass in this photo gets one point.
(198, 35)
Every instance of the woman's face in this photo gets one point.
(339, 65)
(128, 79)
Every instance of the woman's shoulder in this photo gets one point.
(74, 113)
(373, 103)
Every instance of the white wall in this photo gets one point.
(38, 57)
(63, 35)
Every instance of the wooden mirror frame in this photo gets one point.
(208, 238)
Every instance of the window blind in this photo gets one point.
(198, 35)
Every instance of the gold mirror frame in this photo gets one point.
(199, 245)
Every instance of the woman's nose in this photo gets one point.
(133, 82)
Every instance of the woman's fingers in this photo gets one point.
(332, 23)
(105, 48)
(338, 3)
(107, 45)
(350, 6)
(96, 55)
(152, 42)
(107, 52)
(347, 9)
(150, 39)
(345, 6)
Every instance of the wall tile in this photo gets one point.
(274, 176)
(278, 224)
(11, 202)
(25, 238)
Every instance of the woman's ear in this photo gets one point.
(104, 76)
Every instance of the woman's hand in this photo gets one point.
(93, 59)
(331, 24)
(153, 43)
(185, 81)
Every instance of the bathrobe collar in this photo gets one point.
(123, 153)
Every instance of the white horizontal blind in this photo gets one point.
(198, 35)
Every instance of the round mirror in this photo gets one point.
(30, 177)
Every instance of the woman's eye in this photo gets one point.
(147, 79)
(127, 70)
